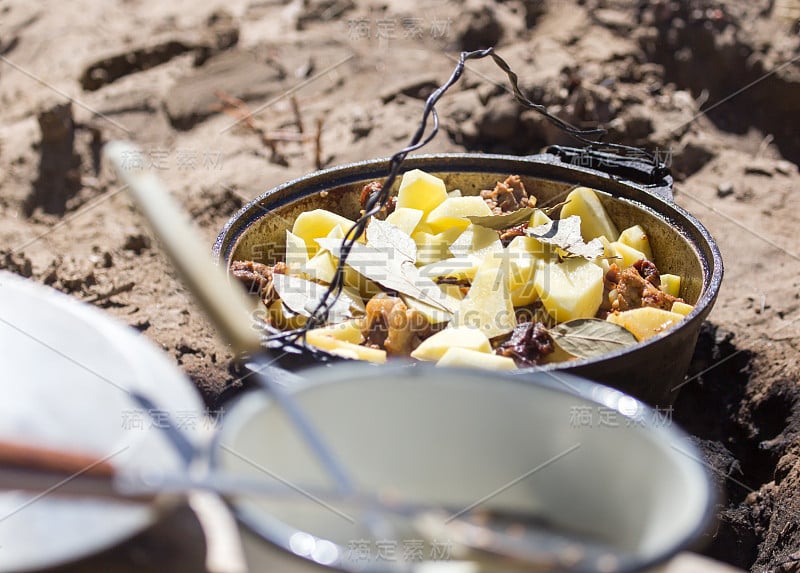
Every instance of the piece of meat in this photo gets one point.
(648, 271)
(528, 344)
(632, 290)
(393, 326)
(257, 277)
(508, 196)
(371, 189)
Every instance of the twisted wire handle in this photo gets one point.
(378, 200)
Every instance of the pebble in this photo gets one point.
(724, 189)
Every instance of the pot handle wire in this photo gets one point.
(590, 137)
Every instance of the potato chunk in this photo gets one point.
(431, 248)
(454, 212)
(626, 255)
(595, 222)
(539, 217)
(321, 267)
(420, 190)
(523, 254)
(682, 307)
(317, 224)
(488, 305)
(348, 331)
(282, 317)
(434, 347)
(344, 348)
(465, 358)
(671, 284)
(646, 322)
(296, 252)
(406, 219)
(458, 268)
(636, 237)
(569, 290)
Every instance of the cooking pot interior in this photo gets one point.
(464, 440)
(260, 236)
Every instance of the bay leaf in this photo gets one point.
(552, 208)
(588, 337)
(504, 221)
(383, 235)
(566, 234)
(392, 271)
(302, 297)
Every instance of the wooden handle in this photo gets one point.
(226, 305)
(29, 457)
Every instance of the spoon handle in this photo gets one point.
(18, 455)
(227, 306)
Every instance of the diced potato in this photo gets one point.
(321, 266)
(420, 190)
(405, 219)
(349, 331)
(459, 268)
(346, 349)
(569, 290)
(434, 347)
(530, 245)
(646, 322)
(539, 217)
(682, 308)
(433, 314)
(453, 212)
(466, 358)
(636, 237)
(671, 284)
(454, 193)
(524, 295)
(316, 224)
(476, 242)
(336, 233)
(626, 256)
(453, 291)
(449, 236)
(296, 251)
(358, 282)
(521, 268)
(595, 222)
(609, 256)
(423, 227)
(608, 249)
(488, 305)
(431, 248)
(281, 317)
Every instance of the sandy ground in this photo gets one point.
(169, 76)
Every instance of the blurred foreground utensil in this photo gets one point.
(45, 471)
(226, 305)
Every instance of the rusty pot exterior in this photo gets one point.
(652, 370)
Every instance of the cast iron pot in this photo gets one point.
(635, 193)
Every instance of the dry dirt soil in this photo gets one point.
(714, 87)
